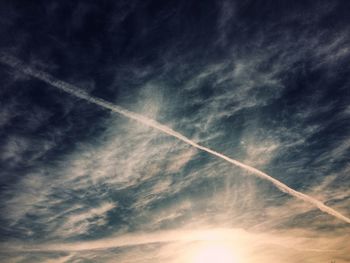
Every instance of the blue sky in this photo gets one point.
(263, 82)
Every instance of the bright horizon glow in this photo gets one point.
(219, 252)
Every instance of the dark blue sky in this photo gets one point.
(264, 82)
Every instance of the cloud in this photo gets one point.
(158, 126)
(82, 222)
(262, 92)
(178, 245)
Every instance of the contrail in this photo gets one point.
(68, 88)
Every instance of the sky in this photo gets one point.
(175, 131)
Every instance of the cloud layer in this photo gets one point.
(265, 83)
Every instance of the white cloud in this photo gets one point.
(81, 222)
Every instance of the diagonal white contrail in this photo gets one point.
(68, 88)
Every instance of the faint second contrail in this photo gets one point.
(68, 88)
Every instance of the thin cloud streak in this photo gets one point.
(70, 89)
(236, 236)
(180, 245)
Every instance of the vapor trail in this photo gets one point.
(68, 88)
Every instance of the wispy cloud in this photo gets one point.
(154, 124)
(184, 241)
(267, 88)
(81, 222)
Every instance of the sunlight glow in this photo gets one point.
(214, 252)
